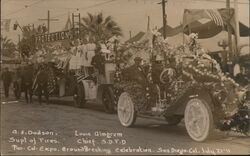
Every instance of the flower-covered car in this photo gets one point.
(183, 85)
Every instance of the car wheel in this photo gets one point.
(174, 120)
(198, 119)
(79, 96)
(126, 110)
(108, 101)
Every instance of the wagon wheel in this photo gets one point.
(126, 110)
(108, 101)
(79, 96)
(198, 119)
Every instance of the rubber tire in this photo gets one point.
(108, 101)
(80, 101)
(173, 120)
(210, 128)
(133, 117)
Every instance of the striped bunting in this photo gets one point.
(80, 77)
(215, 16)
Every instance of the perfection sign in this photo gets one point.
(56, 36)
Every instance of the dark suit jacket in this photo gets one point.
(135, 73)
(27, 75)
(7, 77)
(98, 61)
(42, 77)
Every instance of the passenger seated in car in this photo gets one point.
(136, 72)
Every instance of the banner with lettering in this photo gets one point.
(56, 36)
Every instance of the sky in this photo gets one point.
(131, 15)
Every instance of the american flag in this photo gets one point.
(80, 77)
(215, 16)
(51, 80)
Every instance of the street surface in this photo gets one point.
(29, 129)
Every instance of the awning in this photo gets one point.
(136, 38)
(245, 60)
(171, 31)
(244, 30)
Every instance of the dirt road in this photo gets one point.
(29, 129)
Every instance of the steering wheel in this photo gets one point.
(167, 75)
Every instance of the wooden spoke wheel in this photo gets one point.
(198, 119)
(79, 96)
(126, 110)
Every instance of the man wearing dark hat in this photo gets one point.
(136, 72)
(98, 61)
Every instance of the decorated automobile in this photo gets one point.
(184, 83)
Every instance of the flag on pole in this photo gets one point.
(51, 80)
(191, 15)
(5, 24)
(215, 16)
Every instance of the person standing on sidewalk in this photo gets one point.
(17, 80)
(27, 81)
(7, 79)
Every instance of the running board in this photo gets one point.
(152, 117)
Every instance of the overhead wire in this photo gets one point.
(87, 7)
(26, 6)
(219, 1)
(92, 6)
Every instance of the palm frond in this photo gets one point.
(100, 28)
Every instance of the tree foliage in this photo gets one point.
(100, 28)
(27, 44)
(7, 47)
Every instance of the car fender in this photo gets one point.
(179, 107)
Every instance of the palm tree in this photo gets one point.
(99, 28)
(27, 44)
(7, 46)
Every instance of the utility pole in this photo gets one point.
(148, 26)
(230, 49)
(164, 16)
(130, 34)
(48, 19)
(237, 33)
(229, 32)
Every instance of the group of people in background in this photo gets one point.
(32, 78)
(27, 79)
